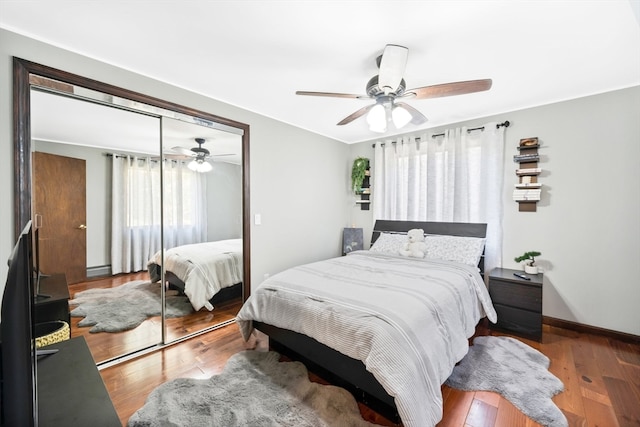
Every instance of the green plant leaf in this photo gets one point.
(358, 172)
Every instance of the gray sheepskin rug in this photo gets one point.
(516, 371)
(254, 389)
(126, 306)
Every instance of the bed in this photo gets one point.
(207, 273)
(388, 328)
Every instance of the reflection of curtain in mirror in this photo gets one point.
(136, 191)
(185, 207)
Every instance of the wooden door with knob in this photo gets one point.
(59, 209)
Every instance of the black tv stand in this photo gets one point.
(70, 389)
(47, 352)
(52, 302)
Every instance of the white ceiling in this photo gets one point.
(256, 54)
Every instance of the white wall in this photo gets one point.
(299, 180)
(224, 202)
(587, 224)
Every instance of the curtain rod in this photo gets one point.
(498, 126)
(120, 156)
(506, 124)
(141, 157)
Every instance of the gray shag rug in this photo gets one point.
(126, 306)
(254, 389)
(516, 371)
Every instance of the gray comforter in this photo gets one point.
(406, 319)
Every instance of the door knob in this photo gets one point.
(82, 227)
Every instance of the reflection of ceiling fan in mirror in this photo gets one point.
(389, 86)
(199, 154)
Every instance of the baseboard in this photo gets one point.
(100, 271)
(579, 327)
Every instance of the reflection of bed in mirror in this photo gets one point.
(387, 327)
(207, 273)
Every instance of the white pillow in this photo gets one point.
(465, 250)
(389, 242)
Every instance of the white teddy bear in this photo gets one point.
(415, 247)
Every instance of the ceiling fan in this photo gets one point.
(388, 88)
(199, 154)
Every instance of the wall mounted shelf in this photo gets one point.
(365, 191)
(527, 190)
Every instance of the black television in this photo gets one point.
(35, 259)
(19, 357)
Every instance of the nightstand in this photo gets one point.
(518, 302)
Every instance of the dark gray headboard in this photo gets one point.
(467, 229)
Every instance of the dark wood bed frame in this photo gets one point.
(342, 370)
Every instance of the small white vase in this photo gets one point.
(531, 269)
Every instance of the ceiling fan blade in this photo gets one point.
(392, 66)
(417, 118)
(222, 155)
(361, 112)
(331, 94)
(450, 89)
(177, 156)
(182, 150)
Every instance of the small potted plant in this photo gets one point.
(529, 259)
(358, 172)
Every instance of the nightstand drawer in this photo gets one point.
(516, 295)
(519, 321)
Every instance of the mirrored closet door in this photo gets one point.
(202, 225)
(140, 205)
(76, 144)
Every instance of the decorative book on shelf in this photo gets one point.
(527, 190)
(529, 185)
(521, 195)
(521, 158)
(529, 171)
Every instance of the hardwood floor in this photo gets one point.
(601, 377)
(108, 345)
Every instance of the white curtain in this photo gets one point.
(136, 210)
(456, 177)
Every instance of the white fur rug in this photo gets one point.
(516, 371)
(254, 389)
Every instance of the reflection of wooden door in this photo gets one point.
(59, 199)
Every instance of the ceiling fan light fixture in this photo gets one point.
(377, 118)
(205, 167)
(400, 116)
(199, 165)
